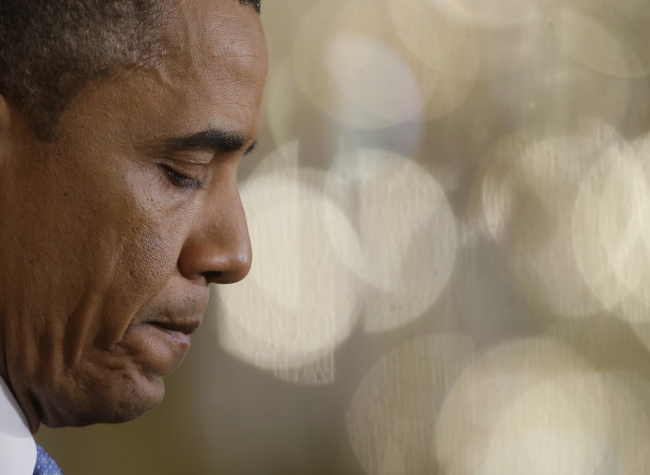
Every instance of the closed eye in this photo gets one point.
(182, 181)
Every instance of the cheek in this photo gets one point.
(146, 264)
(84, 253)
(156, 231)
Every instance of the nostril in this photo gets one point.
(213, 276)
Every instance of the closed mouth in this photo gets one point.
(187, 328)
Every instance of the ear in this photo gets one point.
(12, 127)
(5, 115)
(5, 128)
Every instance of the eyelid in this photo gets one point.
(191, 161)
(180, 180)
(184, 167)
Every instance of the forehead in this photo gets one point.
(216, 50)
(211, 75)
(212, 34)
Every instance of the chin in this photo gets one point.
(113, 387)
(107, 403)
(131, 404)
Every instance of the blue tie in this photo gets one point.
(44, 463)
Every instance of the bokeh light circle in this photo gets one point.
(610, 232)
(590, 42)
(551, 89)
(439, 42)
(299, 300)
(391, 419)
(608, 37)
(407, 232)
(374, 77)
(350, 63)
(489, 407)
(524, 196)
(491, 13)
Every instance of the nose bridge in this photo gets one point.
(219, 248)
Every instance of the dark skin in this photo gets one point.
(111, 234)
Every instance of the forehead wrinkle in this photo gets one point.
(218, 36)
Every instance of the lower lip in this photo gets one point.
(176, 336)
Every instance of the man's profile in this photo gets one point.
(122, 123)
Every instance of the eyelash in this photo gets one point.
(181, 181)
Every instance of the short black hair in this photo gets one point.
(51, 49)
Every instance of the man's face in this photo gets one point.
(110, 235)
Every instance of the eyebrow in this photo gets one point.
(212, 140)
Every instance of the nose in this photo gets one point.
(219, 249)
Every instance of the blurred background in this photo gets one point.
(450, 215)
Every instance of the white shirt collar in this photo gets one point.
(17, 446)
